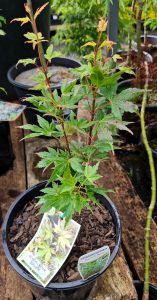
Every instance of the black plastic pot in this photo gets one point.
(151, 39)
(76, 290)
(132, 83)
(152, 291)
(6, 151)
(13, 45)
(23, 90)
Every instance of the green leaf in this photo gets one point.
(91, 173)
(49, 53)
(67, 87)
(75, 164)
(2, 32)
(26, 61)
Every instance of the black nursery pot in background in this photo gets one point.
(152, 291)
(13, 45)
(6, 151)
(151, 39)
(76, 290)
(23, 90)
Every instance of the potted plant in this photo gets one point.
(72, 187)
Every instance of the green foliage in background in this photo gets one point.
(79, 22)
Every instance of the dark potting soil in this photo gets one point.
(134, 61)
(97, 230)
(135, 127)
(151, 49)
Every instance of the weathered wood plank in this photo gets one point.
(116, 283)
(133, 216)
(11, 184)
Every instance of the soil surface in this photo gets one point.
(134, 61)
(97, 230)
(135, 127)
(58, 76)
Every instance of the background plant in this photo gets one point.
(79, 20)
(76, 166)
(132, 14)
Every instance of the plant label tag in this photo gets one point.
(51, 245)
(10, 111)
(93, 262)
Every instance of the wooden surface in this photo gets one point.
(133, 216)
(116, 283)
(11, 185)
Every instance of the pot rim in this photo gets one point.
(146, 54)
(58, 286)
(23, 68)
(149, 36)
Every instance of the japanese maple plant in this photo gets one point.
(87, 141)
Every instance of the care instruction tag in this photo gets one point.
(50, 247)
(93, 262)
(10, 111)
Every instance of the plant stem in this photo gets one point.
(129, 35)
(139, 15)
(35, 30)
(44, 69)
(94, 90)
(145, 27)
(153, 194)
(92, 115)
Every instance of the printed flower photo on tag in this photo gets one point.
(50, 247)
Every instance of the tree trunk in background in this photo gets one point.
(12, 45)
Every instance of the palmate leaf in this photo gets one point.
(45, 128)
(33, 39)
(58, 159)
(75, 126)
(91, 174)
(122, 102)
